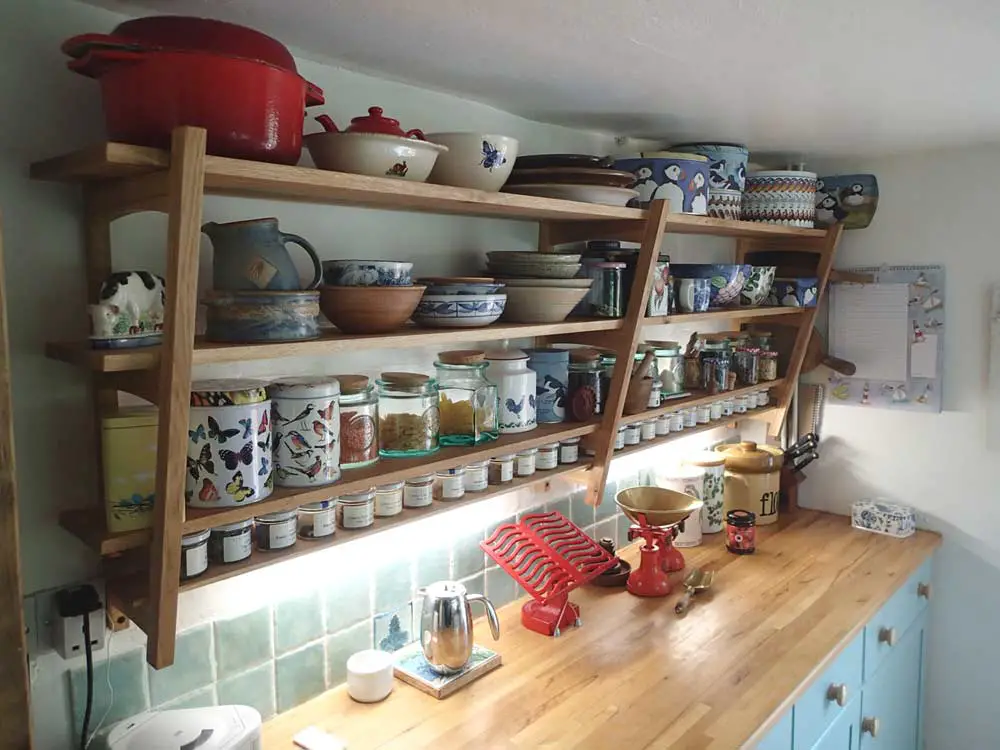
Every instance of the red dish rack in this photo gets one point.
(549, 556)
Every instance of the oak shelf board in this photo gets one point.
(132, 589)
(688, 431)
(89, 526)
(734, 313)
(387, 470)
(330, 341)
(707, 225)
(698, 398)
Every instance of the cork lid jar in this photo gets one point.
(749, 458)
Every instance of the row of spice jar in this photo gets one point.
(718, 362)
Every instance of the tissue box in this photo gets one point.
(891, 519)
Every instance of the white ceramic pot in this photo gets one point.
(374, 154)
(229, 444)
(474, 160)
(687, 480)
(369, 676)
(515, 384)
(305, 416)
(713, 469)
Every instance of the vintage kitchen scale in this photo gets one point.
(549, 556)
(656, 513)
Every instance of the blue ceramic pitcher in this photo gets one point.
(251, 255)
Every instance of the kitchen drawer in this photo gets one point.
(780, 736)
(886, 629)
(818, 707)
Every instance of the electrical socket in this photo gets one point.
(45, 616)
(67, 634)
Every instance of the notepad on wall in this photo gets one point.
(870, 327)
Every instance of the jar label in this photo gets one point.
(547, 459)
(452, 486)
(388, 503)
(418, 495)
(569, 454)
(476, 480)
(324, 523)
(195, 560)
(281, 535)
(620, 440)
(632, 434)
(237, 547)
(648, 430)
(525, 466)
(357, 516)
(663, 426)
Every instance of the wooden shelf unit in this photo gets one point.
(120, 179)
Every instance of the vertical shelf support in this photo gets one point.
(187, 187)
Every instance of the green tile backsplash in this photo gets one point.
(500, 587)
(579, 512)
(468, 557)
(393, 583)
(190, 670)
(607, 508)
(243, 642)
(300, 675)
(347, 599)
(340, 646)
(128, 679)
(433, 565)
(252, 688)
(201, 698)
(297, 621)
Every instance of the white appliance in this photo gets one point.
(215, 728)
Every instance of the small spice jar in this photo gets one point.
(763, 397)
(357, 510)
(692, 371)
(194, 554)
(728, 407)
(654, 394)
(741, 532)
(742, 403)
(524, 464)
(467, 400)
(231, 542)
(677, 421)
(633, 434)
(307, 412)
(274, 531)
(663, 425)
(669, 365)
(569, 451)
(620, 437)
(317, 520)
(477, 476)
(450, 484)
(703, 414)
(690, 417)
(547, 457)
(767, 368)
(358, 422)
(647, 429)
(408, 414)
(716, 410)
(389, 499)
(585, 394)
(501, 469)
(418, 492)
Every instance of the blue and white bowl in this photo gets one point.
(727, 279)
(848, 198)
(727, 163)
(367, 273)
(459, 310)
(680, 178)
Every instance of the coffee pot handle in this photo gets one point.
(317, 266)
(491, 614)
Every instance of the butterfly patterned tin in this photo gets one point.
(229, 444)
(305, 418)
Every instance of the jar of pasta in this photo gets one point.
(466, 399)
(408, 414)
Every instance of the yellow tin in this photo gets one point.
(128, 448)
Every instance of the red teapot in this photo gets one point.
(373, 122)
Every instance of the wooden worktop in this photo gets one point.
(635, 675)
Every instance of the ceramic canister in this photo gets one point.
(128, 449)
(780, 197)
(515, 383)
(752, 479)
(688, 480)
(305, 416)
(681, 178)
(229, 445)
(712, 466)
(727, 163)
(551, 368)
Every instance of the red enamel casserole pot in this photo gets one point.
(250, 108)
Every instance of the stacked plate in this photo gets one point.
(541, 287)
(575, 177)
(460, 302)
(531, 265)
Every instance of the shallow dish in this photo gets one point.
(536, 270)
(528, 256)
(727, 279)
(607, 196)
(571, 176)
(534, 304)
(481, 161)
(657, 506)
(560, 283)
(367, 273)
(374, 154)
(261, 316)
(459, 310)
(369, 309)
(546, 161)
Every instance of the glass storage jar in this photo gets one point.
(619, 438)
(477, 476)
(525, 462)
(501, 469)
(768, 366)
(408, 415)
(551, 367)
(467, 400)
(317, 520)
(746, 364)
(231, 542)
(419, 491)
(633, 434)
(715, 363)
(515, 389)
(274, 531)
(607, 299)
(194, 554)
(450, 484)
(606, 364)
(647, 430)
(692, 371)
(663, 425)
(358, 422)
(569, 451)
(670, 366)
(585, 386)
(547, 457)
(357, 510)
(389, 499)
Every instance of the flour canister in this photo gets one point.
(551, 367)
(128, 449)
(229, 444)
(515, 383)
(753, 479)
(688, 480)
(305, 416)
(713, 469)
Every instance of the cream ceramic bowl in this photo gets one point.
(374, 154)
(538, 304)
(474, 160)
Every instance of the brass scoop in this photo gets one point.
(697, 580)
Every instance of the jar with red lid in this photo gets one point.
(741, 532)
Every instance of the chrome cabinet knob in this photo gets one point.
(924, 590)
(887, 636)
(837, 692)
(870, 725)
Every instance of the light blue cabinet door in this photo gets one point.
(892, 699)
(780, 736)
(842, 734)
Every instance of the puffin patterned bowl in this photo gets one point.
(680, 178)
(848, 198)
(727, 163)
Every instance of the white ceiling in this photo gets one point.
(839, 77)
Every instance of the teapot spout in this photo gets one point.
(328, 124)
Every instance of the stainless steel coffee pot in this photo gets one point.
(446, 625)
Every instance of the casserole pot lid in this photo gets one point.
(747, 457)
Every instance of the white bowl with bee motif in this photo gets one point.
(482, 161)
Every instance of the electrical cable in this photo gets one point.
(88, 650)
(111, 693)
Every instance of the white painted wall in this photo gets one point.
(936, 208)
